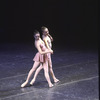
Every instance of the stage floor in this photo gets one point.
(77, 70)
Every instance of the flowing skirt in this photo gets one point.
(41, 58)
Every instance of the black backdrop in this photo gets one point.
(72, 22)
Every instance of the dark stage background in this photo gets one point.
(71, 22)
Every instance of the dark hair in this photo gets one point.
(42, 28)
(36, 32)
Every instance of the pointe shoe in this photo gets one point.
(51, 85)
(24, 84)
(56, 80)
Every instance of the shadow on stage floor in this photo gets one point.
(77, 70)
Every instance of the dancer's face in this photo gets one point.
(45, 32)
(37, 36)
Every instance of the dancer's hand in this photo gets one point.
(51, 51)
(50, 37)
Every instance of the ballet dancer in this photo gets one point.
(41, 57)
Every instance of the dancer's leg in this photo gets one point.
(35, 65)
(45, 67)
(36, 73)
(51, 70)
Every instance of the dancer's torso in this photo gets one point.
(48, 40)
(41, 44)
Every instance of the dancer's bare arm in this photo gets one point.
(43, 52)
(50, 37)
(46, 43)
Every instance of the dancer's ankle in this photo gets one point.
(56, 80)
(32, 82)
(51, 85)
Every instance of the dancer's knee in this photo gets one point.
(50, 66)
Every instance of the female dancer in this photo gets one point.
(40, 57)
(47, 39)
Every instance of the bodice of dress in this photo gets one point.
(43, 48)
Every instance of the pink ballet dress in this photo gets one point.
(41, 57)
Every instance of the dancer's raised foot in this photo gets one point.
(24, 84)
